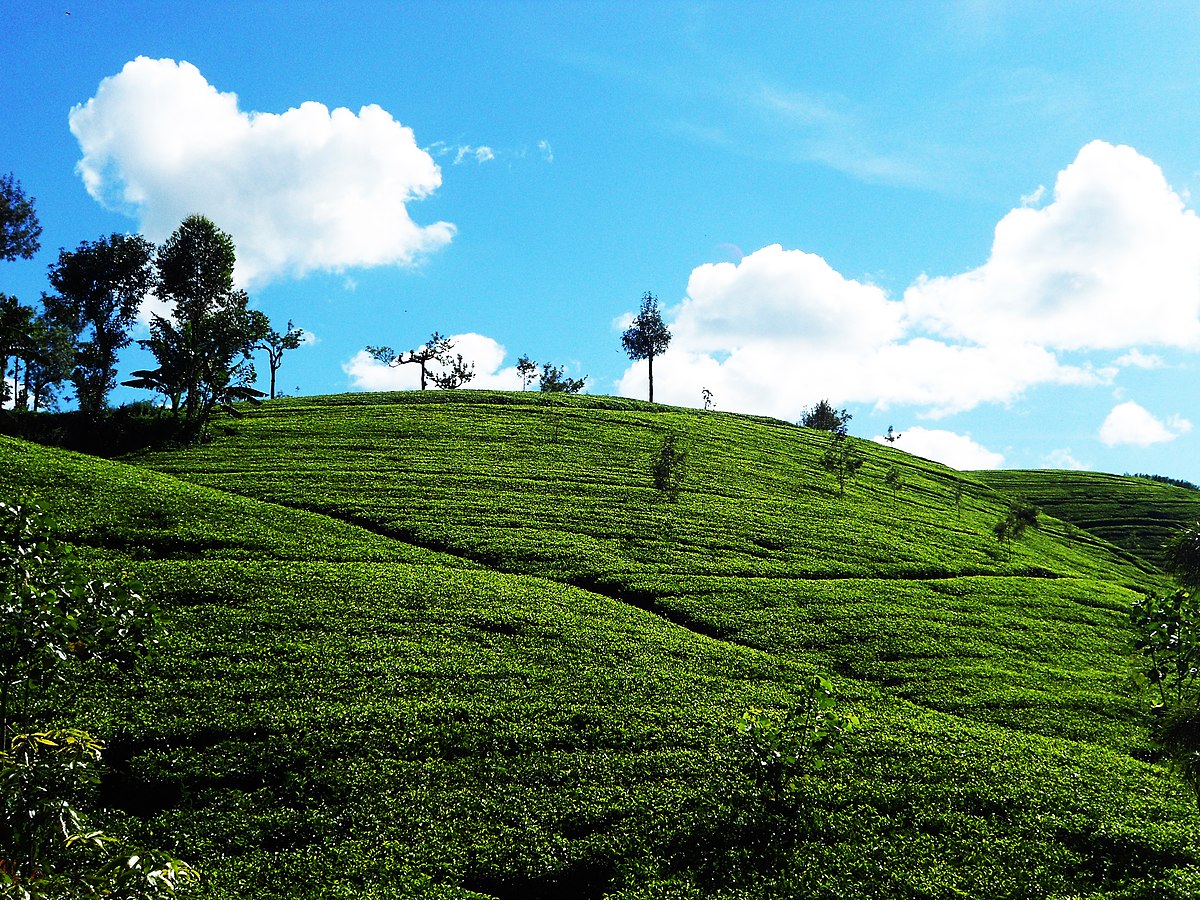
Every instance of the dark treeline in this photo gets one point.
(69, 341)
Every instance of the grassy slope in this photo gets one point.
(1137, 514)
(458, 643)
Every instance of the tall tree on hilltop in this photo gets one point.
(203, 350)
(19, 226)
(100, 287)
(647, 337)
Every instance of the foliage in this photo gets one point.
(19, 226)
(647, 336)
(453, 657)
(203, 351)
(1020, 515)
(824, 417)
(435, 350)
(100, 288)
(895, 480)
(276, 345)
(527, 370)
(1166, 479)
(779, 750)
(1137, 514)
(670, 467)
(1168, 638)
(1182, 555)
(554, 380)
(52, 616)
(842, 459)
(458, 372)
(48, 353)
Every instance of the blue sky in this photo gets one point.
(972, 221)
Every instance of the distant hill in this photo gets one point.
(1134, 512)
(457, 644)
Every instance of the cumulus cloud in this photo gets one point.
(781, 329)
(1129, 423)
(308, 189)
(368, 374)
(958, 451)
(1111, 261)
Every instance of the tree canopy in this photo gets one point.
(100, 287)
(203, 351)
(647, 336)
(19, 226)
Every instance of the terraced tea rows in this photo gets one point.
(1134, 513)
(456, 645)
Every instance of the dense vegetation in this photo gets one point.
(459, 644)
(1136, 512)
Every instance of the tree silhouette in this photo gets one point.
(647, 337)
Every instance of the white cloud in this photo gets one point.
(1136, 359)
(1129, 423)
(958, 451)
(547, 150)
(308, 189)
(1063, 458)
(782, 329)
(1034, 197)
(1111, 262)
(368, 374)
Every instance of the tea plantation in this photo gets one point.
(457, 644)
(1132, 511)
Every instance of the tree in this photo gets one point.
(527, 369)
(1182, 556)
(824, 417)
(1168, 638)
(669, 467)
(276, 345)
(647, 337)
(458, 372)
(891, 437)
(19, 226)
(555, 381)
(1020, 515)
(895, 480)
(781, 752)
(842, 459)
(49, 361)
(435, 350)
(16, 344)
(707, 396)
(100, 287)
(204, 350)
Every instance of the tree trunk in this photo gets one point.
(650, 369)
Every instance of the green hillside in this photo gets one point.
(457, 644)
(1133, 512)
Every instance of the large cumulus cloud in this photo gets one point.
(1111, 262)
(308, 189)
